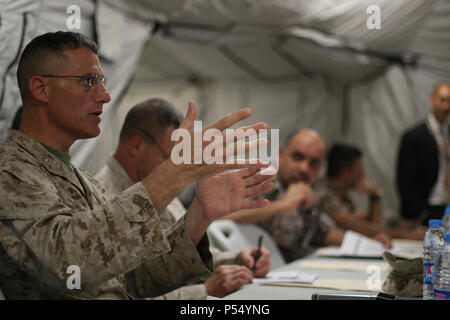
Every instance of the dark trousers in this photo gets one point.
(432, 212)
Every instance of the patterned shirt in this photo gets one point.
(115, 179)
(330, 203)
(297, 235)
(49, 221)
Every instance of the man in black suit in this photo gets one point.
(423, 163)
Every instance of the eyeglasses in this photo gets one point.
(165, 155)
(92, 79)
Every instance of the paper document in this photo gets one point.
(348, 265)
(358, 245)
(355, 245)
(334, 283)
(287, 277)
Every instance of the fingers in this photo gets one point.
(258, 189)
(254, 204)
(234, 276)
(264, 259)
(249, 173)
(231, 119)
(251, 132)
(234, 151)
(191, 115)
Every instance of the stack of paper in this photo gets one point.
(287, 277)
(355, 245)
(358, 245)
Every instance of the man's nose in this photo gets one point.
(303, 166)
(103, 94)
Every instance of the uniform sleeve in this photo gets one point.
(165, 273)
(45, 235)
(320, 232)
(329, 203)
(191, 292)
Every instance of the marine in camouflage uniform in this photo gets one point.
(297, 235)
(53, 216)
(329, 202)
(115, 180)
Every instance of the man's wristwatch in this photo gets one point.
(378, 195)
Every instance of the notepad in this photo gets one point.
(287, 277)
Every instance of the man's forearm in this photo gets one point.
(347, 221)
(334, 237)
(375, 212)
(195, 223)
(256, 215)
(164, 183)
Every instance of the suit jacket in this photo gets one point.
(417, 170)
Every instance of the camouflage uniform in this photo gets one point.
(329, 202)
(48, 221)
(296, 235)
(115, 179)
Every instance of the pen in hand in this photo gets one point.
(258, 252)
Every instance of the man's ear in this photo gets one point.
(39, 88)
(135, 146)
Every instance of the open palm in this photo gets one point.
(225, 193)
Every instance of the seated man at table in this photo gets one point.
(345, 172)
(144, 144)
(291, 217)
(55, 219)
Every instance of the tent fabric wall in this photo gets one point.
(295, 63)
(119, 51)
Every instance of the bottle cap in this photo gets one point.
(435, 223)
(447, 237)
(447, 209)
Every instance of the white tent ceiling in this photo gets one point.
(295, 63)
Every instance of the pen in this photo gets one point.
(258, 252)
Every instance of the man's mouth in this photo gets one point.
(96, 115)
(300, 177)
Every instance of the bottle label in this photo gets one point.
(428, 273)
(441, 294)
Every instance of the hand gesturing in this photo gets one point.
(225, 193)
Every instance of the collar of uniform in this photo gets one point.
(121, 176)
(45, 157)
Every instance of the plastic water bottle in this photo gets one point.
(433, 241)
(446, 220)
(442, 272)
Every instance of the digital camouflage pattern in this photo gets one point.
(48, 221)
(329, 202)
(115, 179)
(405, 277)
(297, 235)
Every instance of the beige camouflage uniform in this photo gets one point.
(48, 221)
(297, 235)
(115, 180)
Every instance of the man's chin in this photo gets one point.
(90, 134)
